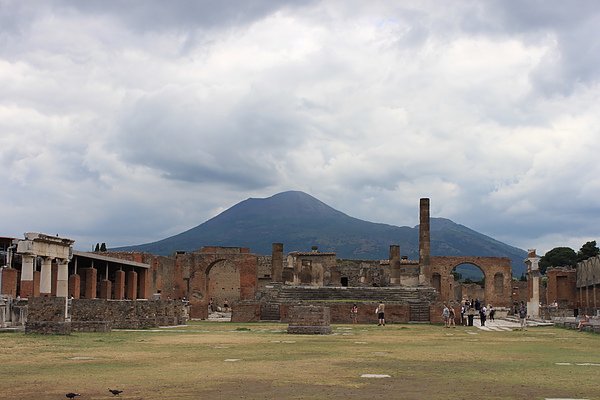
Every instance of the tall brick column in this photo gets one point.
(27, 275)
(119, 285)
(75, 286)
(424, 243)
(132, 283)
(277, 262)
(105, 289)
(144, 284)
(91, 282)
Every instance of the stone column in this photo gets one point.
(105, 289)
(91, 282)
(144, 284)
(75, 286)
(277, 262)
(119, 285)
(533, 283)
(46, 277)
(62, 278)
(424, 243)
(27, 275)
(132, 283)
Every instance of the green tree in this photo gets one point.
(558, 257)
(103, 247)
(457, 276)
(97, 247)
(588, 250)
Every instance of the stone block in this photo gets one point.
(309, 320)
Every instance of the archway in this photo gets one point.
(223, 282)
(497, 277)
(469, 282)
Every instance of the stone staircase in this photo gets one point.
(358, 294)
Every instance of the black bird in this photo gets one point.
(115, 392)
(71, 395)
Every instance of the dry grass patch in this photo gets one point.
(423, 361)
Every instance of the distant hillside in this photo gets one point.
(300, 221)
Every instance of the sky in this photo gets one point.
(129, 122)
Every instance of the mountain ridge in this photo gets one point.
(300, 221)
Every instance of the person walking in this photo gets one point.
(523, 318)
(491, 313)
(451, 317)
(381, 314)
(446, 315)
(482, 315)
(354, 314)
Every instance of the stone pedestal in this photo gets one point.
(309, 320)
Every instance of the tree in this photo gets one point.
(103, 247)
(97, 247)
(558, 257)
(588, 250)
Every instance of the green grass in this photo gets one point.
(423, 361)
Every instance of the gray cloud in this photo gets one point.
(127, 125)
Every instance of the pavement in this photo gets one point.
(507, 324)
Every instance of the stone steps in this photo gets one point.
(369, 294)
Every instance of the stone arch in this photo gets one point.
(492, 267)
(223, 281)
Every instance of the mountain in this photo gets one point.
(300, 221)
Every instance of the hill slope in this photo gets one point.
(300, 221)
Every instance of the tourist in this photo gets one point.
(482, 315)
(584, 321)
(381, 313)
(491, 313)
(523, 318)
(211, 305)
(446, 315)
(354, 314)
(462, 315)
(451, 316)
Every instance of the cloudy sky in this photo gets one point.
(128, 122)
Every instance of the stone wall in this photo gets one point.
(339, 312)
(49, 315)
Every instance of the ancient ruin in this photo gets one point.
(266, 287)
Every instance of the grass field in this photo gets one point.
(208, 360)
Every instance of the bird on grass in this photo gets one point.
(72, 395)
(115, 392)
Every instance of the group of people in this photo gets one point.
(212, 306)
(380, 311)
(468, 310)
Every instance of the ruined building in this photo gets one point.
(263, 287)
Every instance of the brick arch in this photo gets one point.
(223, 281)
(203, 261)
(497, 272)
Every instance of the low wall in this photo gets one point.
(57, 315)
(339, 312)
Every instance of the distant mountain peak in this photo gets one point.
(299, 221)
